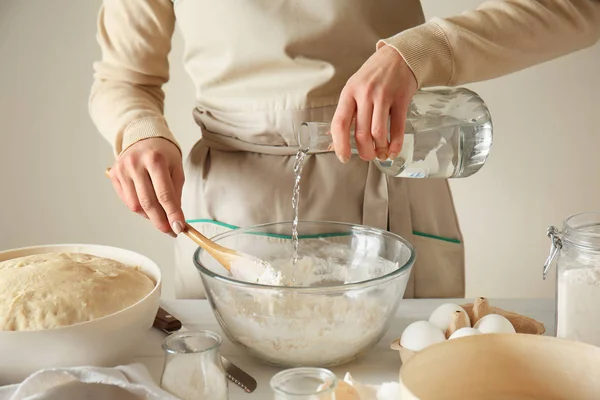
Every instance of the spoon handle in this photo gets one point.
(204, 242)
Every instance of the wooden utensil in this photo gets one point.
(503, 366)
(223, 255)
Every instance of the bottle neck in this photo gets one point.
(314, 136)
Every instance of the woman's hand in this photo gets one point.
(148, 177)
(380, 90)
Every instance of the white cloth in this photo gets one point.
(128, 382)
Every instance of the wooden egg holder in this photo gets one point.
(476, 311)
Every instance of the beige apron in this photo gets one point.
(253, 85)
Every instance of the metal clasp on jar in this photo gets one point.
(555, 247)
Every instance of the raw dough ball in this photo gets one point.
(494, 323)
(45, 291)
(442, 316)
(421, 334)
(462, 332)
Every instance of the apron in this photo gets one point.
(253, 86)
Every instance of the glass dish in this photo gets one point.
(324, 324)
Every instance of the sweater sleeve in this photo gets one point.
(498, 38)
(126, 102)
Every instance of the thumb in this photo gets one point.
(177, 219)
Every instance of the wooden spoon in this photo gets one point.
(223, 255)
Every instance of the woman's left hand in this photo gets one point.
(379, 91)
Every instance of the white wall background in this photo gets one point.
(544, 165)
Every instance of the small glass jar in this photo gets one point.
(193, 368)
(577, 252)
(304, 384)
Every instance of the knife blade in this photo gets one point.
(169, 324)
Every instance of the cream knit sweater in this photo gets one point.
(498, 38)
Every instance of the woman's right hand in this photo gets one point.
(148, 177)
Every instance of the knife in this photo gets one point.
(168, 323)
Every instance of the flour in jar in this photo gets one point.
(194, 376)
(578, 306)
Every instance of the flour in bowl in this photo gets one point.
(255, 272)
(311, 270)
(320, 327)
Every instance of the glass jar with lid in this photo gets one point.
(304, 384)
(576, 250)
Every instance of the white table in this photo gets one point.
(381, 364)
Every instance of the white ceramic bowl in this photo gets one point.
(106, 341)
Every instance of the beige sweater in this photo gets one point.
(498, 38)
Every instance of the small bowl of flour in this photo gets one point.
(324, 308)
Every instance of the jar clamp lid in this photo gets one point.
(555, 247)
(580, 232)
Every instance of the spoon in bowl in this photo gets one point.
(244, 265)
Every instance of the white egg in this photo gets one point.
(462, 332)
(442, 316)
(421, 334)
(494, 323)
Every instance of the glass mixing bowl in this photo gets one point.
(357, 278)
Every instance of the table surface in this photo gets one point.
(381, 364)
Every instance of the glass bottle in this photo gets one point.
(304, 384)
(193, 368)
(448, 134)
(577, 252)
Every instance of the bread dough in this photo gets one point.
(45, 291)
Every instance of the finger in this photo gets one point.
(362, 133)
(379, 130)
(166, 194)
(149, 202)
(116, 184)
(118, 188)
(129, 196)
(178, 178)
(340, 127)
(398, 119)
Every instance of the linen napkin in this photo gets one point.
(127, 382)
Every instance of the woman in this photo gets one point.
(258, 66)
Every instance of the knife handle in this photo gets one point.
(165, 321)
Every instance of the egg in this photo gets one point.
(494, 323)
(421, 334)
(442, 316)
(462, 332)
